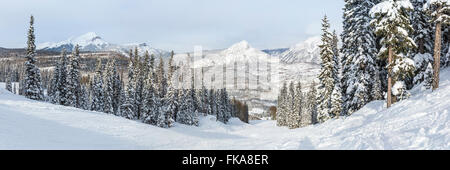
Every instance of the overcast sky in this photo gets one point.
(170, 24)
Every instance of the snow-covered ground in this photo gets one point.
(422, 122)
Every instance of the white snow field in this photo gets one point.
(422, 122)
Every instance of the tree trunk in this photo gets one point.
(437, 55)
(389, 90)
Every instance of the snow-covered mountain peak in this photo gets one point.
(88, 38)
(242, 48)
(243, 45)
(87, 42)
(306, 51)
(91, 41)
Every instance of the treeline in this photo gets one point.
(148, 96)
(387, 49)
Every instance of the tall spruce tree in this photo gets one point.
(298, 107)
(422, 35)
(291, 113)
(391, 22)
(128, 109)
(108, 89)
(32, 80)
(312, 104)
(336, 101)
(282, 106)
(53, 90)
(74, 85)
(9, 84)
(63, 86)
(358, 54)
(98, 100)
(440, 13)
(326, 75)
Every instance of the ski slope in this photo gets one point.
(422, 122)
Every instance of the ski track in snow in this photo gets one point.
(421, 122)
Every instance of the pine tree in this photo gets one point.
(224, 111)
(291, 114)
(336, 101)
(428, 77)
(422, 35)
(377, 93)
(63, 86)
(281, 110)
(32, 81)
(53, 90)
(171, 68)
(97, 89)
(84, 98)
(170, 103)
(311, 104)
(151, 109)
(161, 79)
(326, 76)
(440, 13)
(297, 118)
(128, 108)
(74, 86)
(212, 102)
(186, 114)
(117, 89)
(391, 22)
(9, 84)
(358, 54)
(14, 89)
(108, 88)
(139, 85)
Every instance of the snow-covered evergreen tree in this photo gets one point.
(108, 89)
(53, 90)
(326, 75)
(98, 100)
(63, 86)
(128, 108)
(117, 89)
(224, 107)
(187, 114)
(161, 79)
(170, 103)
(358, 54)
(74, 86)
(32, 80)
(9, 84)
(440, 13)
(392, 23)
(282, 106)
(152, 107)
(336, 101)
(141, 76)
(422, 35)
(377, 93)
(428, 77)
(311, 104)
(84, 98)
(212, 102)
(399, 91)
(297, 109)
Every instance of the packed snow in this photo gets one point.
(421, 122)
